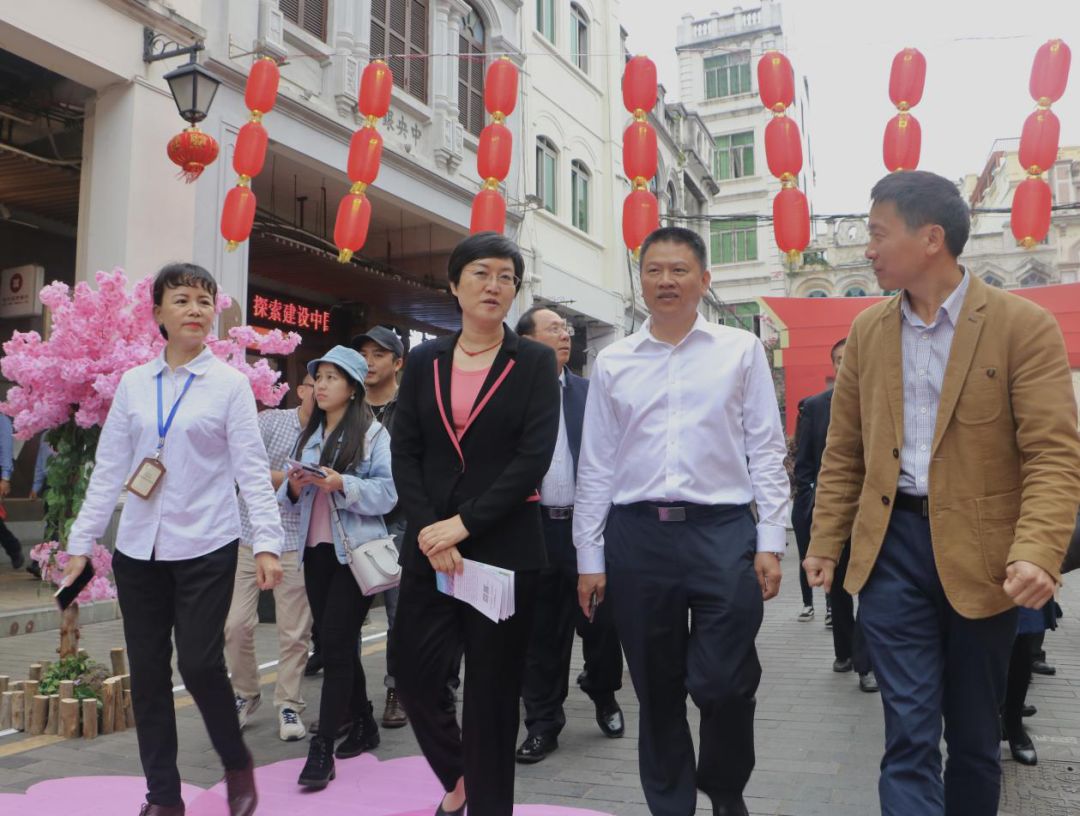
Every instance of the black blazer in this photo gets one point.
(575, 394)
(811, 428)
(492, 475)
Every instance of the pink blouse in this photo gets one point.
(464, 389)
(319, 529)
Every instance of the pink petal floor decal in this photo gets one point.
(364, 787)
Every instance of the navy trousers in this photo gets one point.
(933, 665)
(687, 608)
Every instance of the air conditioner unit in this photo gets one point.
(271, 41)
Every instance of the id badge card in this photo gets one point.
(146, 478)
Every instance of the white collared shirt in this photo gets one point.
(557, 488)
(213, 445)
(696, 422)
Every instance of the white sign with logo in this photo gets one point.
(19, 290)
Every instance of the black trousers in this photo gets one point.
(12, 546)
(847, 635)
(188, 600)
(659, 575)
(802, 514)
(429, 633)
(557, 616)
(338, 610)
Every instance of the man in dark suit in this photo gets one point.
(557, 613)
(810, 433)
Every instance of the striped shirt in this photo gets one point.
(279, 428)
(925, 354)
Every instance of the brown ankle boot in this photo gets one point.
(240, 786)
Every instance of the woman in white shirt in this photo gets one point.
(342, 508)
(181, 433)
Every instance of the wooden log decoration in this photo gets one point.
(116, 655)
(53, 726)
(89, 719)
(109, 702)
(81, 652)
(30, 689)
(35, 671)
(120, 723)
(6, 701)
(69, 718)
(4, 680)
(18, 711)
(126, 679)
(129, 711)
(39, 714)
(67, 689)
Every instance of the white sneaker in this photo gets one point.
(290, 726)
(807, 614)
(245, 707)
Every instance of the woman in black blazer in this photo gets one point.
(475, 428)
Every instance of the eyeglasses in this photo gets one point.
(504, 279)
(556, 329)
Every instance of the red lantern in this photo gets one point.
(783, 148)
(640, 216)
(237, 216)
(488, 212)
(376, 86)
(500, 88)
(903, 143)
(250, 152)
(907, 78)
(351, 226)
(365, 154)
(1039, 141)
(639, 85)
(791, 221)
(1050, 72)
(495, 151)
(776, 81)
(1030, 219)
(262, 85)
(192, 150)
(639, 150)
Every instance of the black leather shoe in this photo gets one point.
(444, 812)
(842, 665)
(314, 665)
(610, 719)
(729, 806)
(319, 768)
(34, 569)
(535, 748)
(17, 560)
(1028, 711)
(1042, 667)
(363, 736)
(149, 809)
(868, 683)
(1021, 747)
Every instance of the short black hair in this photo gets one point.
(677, 235)
(485, 245)
(839, 344)
(923, 198)
(175, 275)
(526, 325)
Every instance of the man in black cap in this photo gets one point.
(384, 352)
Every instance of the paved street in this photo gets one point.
(819, 737)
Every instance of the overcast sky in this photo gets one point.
(979, 55)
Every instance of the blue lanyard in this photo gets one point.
(163, 426)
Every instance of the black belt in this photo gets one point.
(557, 513)
(913, 504)
(680, 512)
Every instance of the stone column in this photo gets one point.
(449, 134)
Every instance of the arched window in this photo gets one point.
(854, 291)
(993, 280)
(547, 164)
(671, 199)
(399, 27)
(580, 177)
(471, 73)
(579, 37)
(1034, 278)
(545, 18)
(817, 293)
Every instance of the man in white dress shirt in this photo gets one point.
(682, 433)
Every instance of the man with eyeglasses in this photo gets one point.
(280, 428)
(557, 615)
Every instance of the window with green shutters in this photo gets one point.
(733, 241)
(579, 195)
(547, 159)
(733, 156)
(545, 18)
(727, 75)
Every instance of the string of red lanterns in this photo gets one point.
(902, 144)
(238, 213)
(365, 156)
(641, 211)
(495, 151)
(1030, 219)
(783, 153)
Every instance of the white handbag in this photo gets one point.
(374, 564)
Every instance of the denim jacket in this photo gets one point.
(368, 493)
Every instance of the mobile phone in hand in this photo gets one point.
(66, 595)
(593, 603)
(314, 470)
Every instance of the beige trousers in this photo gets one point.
(293, 628)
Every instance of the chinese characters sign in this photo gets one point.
(396, 122)
(279, 312)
